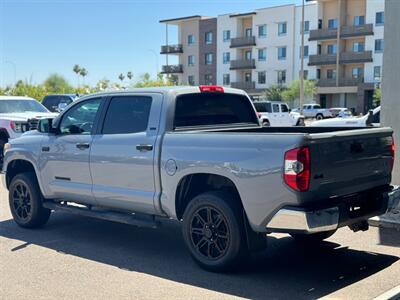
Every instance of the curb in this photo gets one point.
(393, 294)
(386, 221)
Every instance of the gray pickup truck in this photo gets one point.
(199, 155)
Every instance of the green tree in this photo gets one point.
(376, 99)
(83, 72)
(129, 75)
(146, 81)
(56, 83)
(77, 71)
(274, 93)
(293, 91)
(102, 84)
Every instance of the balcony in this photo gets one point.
(345, 58)
(243, 64)
(322, 34)
(355, 57)
(171, 49)
(244, 41)
(322, 59)
(357, 30)
(244, 85)
(170, 69)
(331, 82)
(346, 32)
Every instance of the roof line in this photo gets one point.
(179, 19)
(243, 14)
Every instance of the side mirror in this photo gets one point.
(46, 126)
(290, 110)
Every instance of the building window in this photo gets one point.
(358, 47)
(209, 58)
(247, 77)
(262, 31)
(305, 51)
(282, 28)
(331, 74)
(379, 45)
(226, 57)
(281, 53)
(262, 54)
(377, 73)
(332, 49)
(318, 73)
(209, 37)
(356, 72)
(226, 35)
(226, 79)
(247, 55)
(282, 77)
(306, 27)
(379, 18)
(248, 32)
(305, 74)
(191, 60)
(190, 39)
(332, 23)
(208, 78)
(191, 80)
(359, 20)
(262, 78)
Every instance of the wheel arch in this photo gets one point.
(18, 166)
(193, 184)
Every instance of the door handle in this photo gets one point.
(143, 147)
(82, 146)
(45, 149)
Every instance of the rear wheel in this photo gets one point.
(319, 117)
(314, 238)
(25, 201)
(265, 123)
(213, 231)
(300, 122)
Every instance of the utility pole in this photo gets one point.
(302, 61)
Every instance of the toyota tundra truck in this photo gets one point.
(198, 155)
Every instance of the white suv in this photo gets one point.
(17, 115)
(277, 114)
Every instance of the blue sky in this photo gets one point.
(107, 37)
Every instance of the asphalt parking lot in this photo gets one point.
(78, 258)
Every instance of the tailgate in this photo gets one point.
(346, 162)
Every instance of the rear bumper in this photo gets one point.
(345, 212)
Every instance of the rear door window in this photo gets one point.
(275, 108)
(205, 109)
(127, 114)
(263, 107)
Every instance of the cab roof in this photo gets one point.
(15, 98)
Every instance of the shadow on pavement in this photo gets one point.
(285, 270)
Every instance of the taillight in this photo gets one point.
(258, 115)
(393, 150)
(211, 88)
(297, 169)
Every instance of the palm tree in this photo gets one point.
(129, 75)
(77, 71)
(121, 77)
(83, 72)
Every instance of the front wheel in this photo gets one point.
(213, 231)
(313, 238)
(300, 122)
(25, 200)
(266, 123)
(319, 117)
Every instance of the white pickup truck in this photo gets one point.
(315, 111)
(277, 114)
(372, 118)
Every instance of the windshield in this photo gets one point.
(18, 106)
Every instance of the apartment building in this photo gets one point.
(262, 48)
(349, 52)
(195, 52)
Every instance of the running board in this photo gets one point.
(139, 220)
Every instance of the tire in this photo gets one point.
(213, 231)
(25, 200)
(312, 239)
(319, 117)
(265, 123)
(300, 122)
(2, 143)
